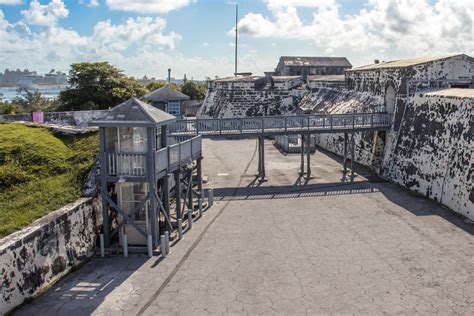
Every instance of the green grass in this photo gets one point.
(40, 171)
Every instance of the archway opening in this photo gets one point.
(390, 98)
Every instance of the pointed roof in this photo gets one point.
(134, 113)
(165, 94)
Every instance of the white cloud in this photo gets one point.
(56, 47)
(10, 2)
(45, 15)
(140, 31)
(93, 3)
(148, 6)
(389, 28)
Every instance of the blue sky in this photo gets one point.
(196, 36)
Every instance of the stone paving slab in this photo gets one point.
(285, 247)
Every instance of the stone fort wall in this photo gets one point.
(40, 254)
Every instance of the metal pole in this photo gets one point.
(103, 188)
(352, 155)
(125, 245)
(102, 248)
(163, 246)
(308, 156)
(236, 35)
(149, 243)
(180, 228)
(167, 242)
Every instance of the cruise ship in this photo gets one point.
(52, 80)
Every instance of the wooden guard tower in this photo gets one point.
(139, 165)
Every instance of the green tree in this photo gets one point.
(34, 101)
(95, 86)
(8, 108)
(194, 90)
(154, 85)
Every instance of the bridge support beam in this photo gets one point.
(352, 155)
(302, 154)
(344, 161)
(261, 159)
(308, 156)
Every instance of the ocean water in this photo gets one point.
(7, 94)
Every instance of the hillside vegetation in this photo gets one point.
(40, 171)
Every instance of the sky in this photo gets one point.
(196, 37)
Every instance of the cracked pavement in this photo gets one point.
(283, 247)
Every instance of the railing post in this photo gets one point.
(240, 125)
(286, 124)
(308, 123)
(372, 120)
(353, 120)
(197, 127)
(262, 125)
(330, 122)
(220, 126)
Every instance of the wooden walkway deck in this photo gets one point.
(282, 125)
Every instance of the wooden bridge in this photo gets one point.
(303, 125)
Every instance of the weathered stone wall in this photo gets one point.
(336, 102)
(43, 252)
(221, 103)
(375, 81)
(331, 84)
(433, 154)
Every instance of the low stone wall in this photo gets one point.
(71, 118)
(46, 250)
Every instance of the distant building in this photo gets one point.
(286, 82)
(326, 81)
(305, 66)
(239, 82)
(168, 100)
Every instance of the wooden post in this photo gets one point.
(177, 192)
(199, 178)
(150, 169)
(103, 187)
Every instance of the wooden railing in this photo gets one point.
(126, 164)
(280, 124)
(166, 159)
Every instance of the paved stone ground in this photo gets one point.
(286, 247)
